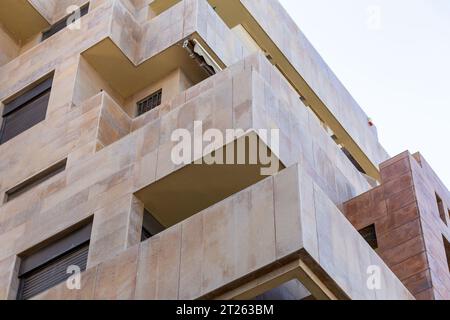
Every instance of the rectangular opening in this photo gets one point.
(369, 234)
(290, 291)
(192, 188)
(35, 180)
(150, 226)
(440, 205)
(61, 24)
(25, 111)
(149, 103)
(447, 251)
(46, 265)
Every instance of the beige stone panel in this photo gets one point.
(191, 263)
(8, 275)
(220, 245)
(110, 230)
(116, 278)
(145, 170)
(332, 249)
(159, 266)
(12, 237)
(288, 222)
(254, 227)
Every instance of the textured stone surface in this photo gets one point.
(409, 228)
(112, 153)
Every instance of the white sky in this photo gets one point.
(394, 58)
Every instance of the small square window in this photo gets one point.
(149, 103)
(369, 234)
(440, 205)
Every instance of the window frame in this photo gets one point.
(23, 100)
(51, 251)
(141, 110)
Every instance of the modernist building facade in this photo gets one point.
(93, 205)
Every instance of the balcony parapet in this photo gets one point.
(283, 226)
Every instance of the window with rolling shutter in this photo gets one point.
(25, 111)
(48, 266)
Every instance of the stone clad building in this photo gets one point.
(88, 181)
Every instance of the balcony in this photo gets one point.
(281, 229)
(315, 83)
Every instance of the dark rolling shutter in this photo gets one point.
(47, 266)
(52, 273)
(25, 111)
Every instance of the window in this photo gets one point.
(447, 251)
(47, 266)
(60, 25)
(440, 205)
(150, 226)
(369, 234)
(35, 180)
(25, 111)
(149, 103)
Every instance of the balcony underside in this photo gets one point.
(126, 78)
(21, 20)
(305, 77)
(196, 187)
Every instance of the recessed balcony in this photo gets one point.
(139, 59)
(200, 185)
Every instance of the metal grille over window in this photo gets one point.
(150, 102)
